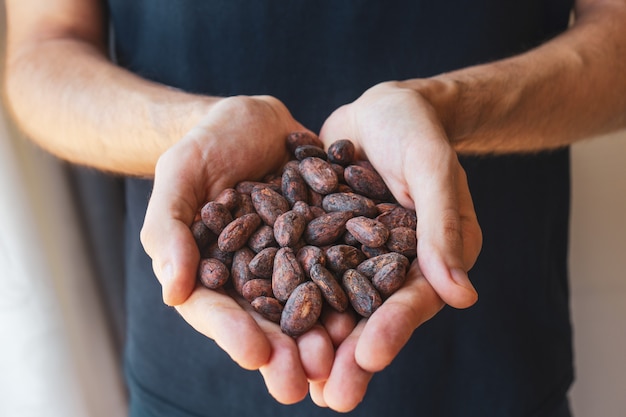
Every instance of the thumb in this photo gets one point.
(440, 245)
(167, 238)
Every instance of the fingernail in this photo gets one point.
(166, 277)
(460, 278)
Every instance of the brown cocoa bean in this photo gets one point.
(240, 272)
(212, 273)
(342, 152)
(268, 204)
(287, 273)
(339, 171)
(236, 234)
(340, 258)
(262, 238)
(229, 198)
(370, 252)
(246, 187)
(308, 256)
(213, 251)
(262, 264)
(304, 209)
(245, 206)
(202, 235)
(389, 278)
(288, 228)
(268, 307)
(331, 290)
(363, 297)
(403, 240)
(385, 207)
(255, 288)
(315, 199)
(293, 186)
(319, 175)
(307, 151)
(369, 232)
(296, 139)
(369, 266)
(367, 182)
(327, 228)
(302, 310)
(215, 216)
(398, 217)
(356, 203)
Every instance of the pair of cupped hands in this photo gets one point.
(243, 138)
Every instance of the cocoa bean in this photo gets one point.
(212, 273)
(369, 232)
(302, 310)
(307, 151)
(213, 251)
(308, 256)
(245, 206)
(340, 258)
(356, 203)
(236, 234)
(229, 198)
(304, 209)
(363, 297)
(370, 252)
(262, 238)
(403, 240)
(288, 228)
(389, 278)
(296, 139)
(293, 186)
(255, 288)
(331, 290)
(398, 217)
(327, 228)
(262, 264)
(268, 307)
(287, 273)
(319, 175)
(202, 235)
(246, 187)
(369, 266)
(240, 272)
(268, 204)
(342, 152)
(215, 216)
(367, 182)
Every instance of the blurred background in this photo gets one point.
(61, 323)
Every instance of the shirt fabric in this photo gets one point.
(510, 354)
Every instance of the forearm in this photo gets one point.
(70, 99)
(568, 89)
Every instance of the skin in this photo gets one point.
(566, 90)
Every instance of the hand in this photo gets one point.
(399, 132)
(241, 138)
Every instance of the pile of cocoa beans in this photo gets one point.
(325, 232)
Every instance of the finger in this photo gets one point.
(219, 317)
(393, 323)
(316, 353)
(316, 392)
(338, 325)
(166, 235)
(439, 228)
(347, 383)
(471, 231)
(284, 375)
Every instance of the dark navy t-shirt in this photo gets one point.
(510, 354)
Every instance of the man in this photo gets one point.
(246, 74)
